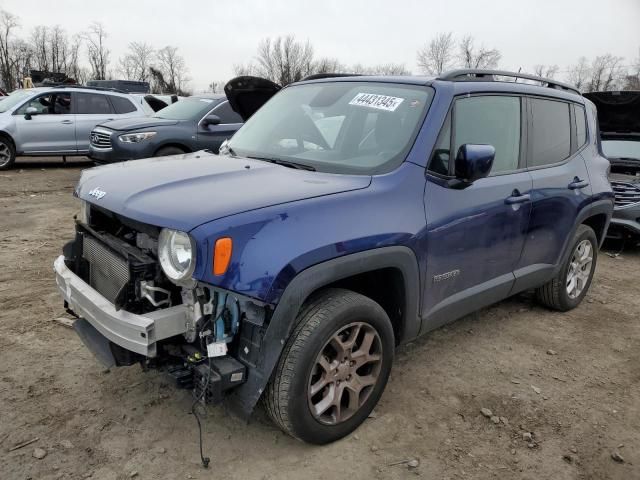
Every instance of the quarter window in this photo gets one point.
(581, 125)
(91, 103)
(122, 105)
(490, 120)
(551, 132)
(442, 153)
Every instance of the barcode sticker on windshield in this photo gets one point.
(372, 100)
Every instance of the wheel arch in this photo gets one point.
(4, 134)
(348, 270)
(179, 145)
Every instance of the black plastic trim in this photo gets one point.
(244, 398)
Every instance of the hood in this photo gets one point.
(618, 112)
(127, 124)
(247, 94)
(184, 191)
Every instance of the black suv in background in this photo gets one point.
(194, 123)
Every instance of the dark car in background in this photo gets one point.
(194, 123)
(619, 119)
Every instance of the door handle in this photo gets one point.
(516, 198)
(66, 122)
(577, 183)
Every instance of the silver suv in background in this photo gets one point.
(58, 120)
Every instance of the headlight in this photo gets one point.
(176, 252)
(136, 137)
(84, 215)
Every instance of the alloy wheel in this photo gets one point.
(579, 268)
(345, 373)
(5, 154)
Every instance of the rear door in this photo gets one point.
(51, 129)
(91, 109)
(561, 188)
(475, 235)
(212, 136)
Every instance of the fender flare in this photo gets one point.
(598, 207)
(244, 398)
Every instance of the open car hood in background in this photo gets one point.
(618, 112)
(247, 94)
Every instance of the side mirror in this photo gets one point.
(211, 120)
(473, 162)
(29, 112)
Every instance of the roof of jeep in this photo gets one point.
(460, 86)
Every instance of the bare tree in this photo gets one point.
(135, 64)
(437, 56)
(97, 51)
(578, 74)
(241, 69)
(472, 57)
(8, 24)
(284, 60)
(547, 71)
(607, 73)
(174, 70)
(381, 69)
(39, 44)
(327, 65)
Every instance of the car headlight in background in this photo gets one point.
(136, 137)
(176, 252)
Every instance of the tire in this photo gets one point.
(7, 153)
(331, 312)
(555, 294)
(165, 151)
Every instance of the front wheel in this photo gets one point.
(166, 151)
(7, 154)
(570, 286)
(333, 369)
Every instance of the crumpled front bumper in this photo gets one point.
(137, 333)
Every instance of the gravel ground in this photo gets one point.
(563, 388)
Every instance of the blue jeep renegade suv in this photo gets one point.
(347, 216)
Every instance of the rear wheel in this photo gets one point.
(333, 369)
(570, 286)
(7, 153)
(165, 151)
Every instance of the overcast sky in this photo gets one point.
(216, 34)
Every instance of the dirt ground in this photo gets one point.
(570, 380)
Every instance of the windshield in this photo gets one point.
(620, 148)
(338, 127)
(187, 109)
(15, 98)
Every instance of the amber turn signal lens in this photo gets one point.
(222, 255)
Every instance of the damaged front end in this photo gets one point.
(129, 311)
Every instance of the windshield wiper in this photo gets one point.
(285, 163)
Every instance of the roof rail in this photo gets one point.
(479, 75)
(318, 76)
(85, 87)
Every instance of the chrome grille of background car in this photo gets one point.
(100, 139)
(108, 272)
(625, 193)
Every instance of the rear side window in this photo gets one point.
(550, 135)
(491, 120)
(581, 125)
(226, 113)
(91, 103)
(122, 105)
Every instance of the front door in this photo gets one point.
(475, 235)
(51, 129)
(212, 136)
